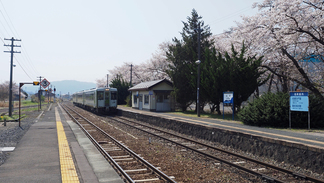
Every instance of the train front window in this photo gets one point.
(107, 98)
(113, 95)
(107, 95)
(100, 95)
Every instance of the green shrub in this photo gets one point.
(34, 98)
(268, 110)
(272, 109)
(316, 106)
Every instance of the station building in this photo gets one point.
(153, 96)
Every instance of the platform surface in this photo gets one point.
(305, 137)
(54, 149)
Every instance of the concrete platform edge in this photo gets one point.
(102, 170)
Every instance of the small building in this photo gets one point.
(153, 96)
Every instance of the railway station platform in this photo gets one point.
(300, 148)
(54, 149)
(305, 137)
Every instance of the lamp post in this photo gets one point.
(198, 83)
(198, 62)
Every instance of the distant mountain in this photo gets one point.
(64, 87)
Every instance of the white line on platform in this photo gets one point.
(39, 116)
(7, 149)
(50, 107)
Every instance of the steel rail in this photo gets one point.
(150, 166)
(107, 156)
(263, 176)
(238, 155)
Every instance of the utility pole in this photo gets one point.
(39, 94)
(11, 70)
(48, 94)
(107, 80)
(130, 85)
(198, 79)
(54, 95)
(131, 73)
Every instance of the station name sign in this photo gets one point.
(299, 101)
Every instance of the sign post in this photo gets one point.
(44, 83)
(20, 85)
(299, 101)
(228, 98)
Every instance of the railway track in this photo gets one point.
(15, 109)
(130, 166)
(265, 171)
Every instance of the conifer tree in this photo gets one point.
(235, 72)
(122, 88)
(182, 56)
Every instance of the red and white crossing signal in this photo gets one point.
(44, 83)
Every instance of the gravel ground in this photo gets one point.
(184, 165)
(11, 134)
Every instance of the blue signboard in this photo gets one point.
(228, 97)
(299, 101)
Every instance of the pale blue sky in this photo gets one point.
(82, 40)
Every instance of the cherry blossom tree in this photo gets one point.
(4, 90)
(123, 71)
(157, 66)
(290, 35)
(153, 69)
(101, 82)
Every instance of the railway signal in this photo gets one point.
(44, 83)
(36, 83)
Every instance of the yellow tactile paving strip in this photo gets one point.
(68, 170)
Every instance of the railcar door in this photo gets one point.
(101, 101)
(107, 98)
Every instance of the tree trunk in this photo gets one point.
(271, 79)
(218, 108)
(307, 83)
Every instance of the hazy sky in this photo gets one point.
(81, 40)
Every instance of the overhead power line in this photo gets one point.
(26, 64)
(9, 19)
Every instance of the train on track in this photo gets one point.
(99, 100)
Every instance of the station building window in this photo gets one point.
(146, 99)
(135, 99)
(162, 97)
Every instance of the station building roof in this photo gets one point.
(149, 85)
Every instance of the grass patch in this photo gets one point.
(299, 130)
(16, 103)
(28, 103)
(7, 118)
(206, 115)
(30, 109)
